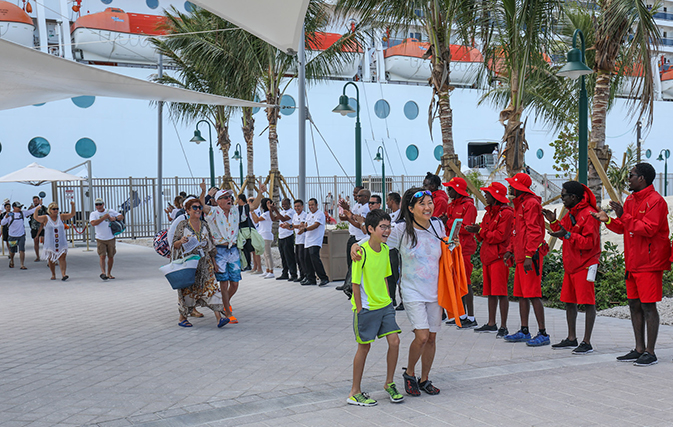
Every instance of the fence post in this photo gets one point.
(133, 224)
(402, 181)
(177, 192)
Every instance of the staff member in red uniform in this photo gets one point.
(644, 223)
(433, 184)
(581, 236)
(494, 233)
(528, 248)
(462, 206)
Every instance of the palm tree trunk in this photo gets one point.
(597, 136)
(272, 115)
(446, 124)
(248, 135)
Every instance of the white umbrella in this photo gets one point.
(35, 174)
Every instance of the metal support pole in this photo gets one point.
(212, 161)
(301, 100)
(638, 140)
(159, 199)
(583, 129)
(383, 183)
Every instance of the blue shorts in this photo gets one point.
(229, 263)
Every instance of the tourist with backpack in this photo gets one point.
(101, 219)
(16, 232)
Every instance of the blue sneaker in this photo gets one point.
(538, 341)
(518, 337)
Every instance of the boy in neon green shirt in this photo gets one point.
(373, 311)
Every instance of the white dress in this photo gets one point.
(55, 242)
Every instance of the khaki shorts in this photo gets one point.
(106, 247)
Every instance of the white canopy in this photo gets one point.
(35, 174)
(30, 77)
(278, 22)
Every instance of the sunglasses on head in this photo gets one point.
(197, 207)
(422, 193)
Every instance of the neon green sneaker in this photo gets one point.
(395, 396)
(361, 399)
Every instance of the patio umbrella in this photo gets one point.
(35, 174)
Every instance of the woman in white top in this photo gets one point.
(55, 242)
(264, 227)
(418, 238)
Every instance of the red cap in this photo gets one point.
(458, 184)
(498, 191)
(521, 182)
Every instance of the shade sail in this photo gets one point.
(35, 174)
(278, 22)
(29, 77)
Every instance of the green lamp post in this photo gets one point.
(574, 68)
(663, 156)
(239, 157)
(199, 139)
(380, 158)
(344, 109)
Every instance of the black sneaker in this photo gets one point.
(492, 329)
(282, 277)
(400, 307)
(307, 283)
(646, 359)
(468, 324)
(410, 384)
(631, 356)
(299, 279)
(341, 288)
(451, 322)
(565, 344)
(292, 279)
(323, 282)
(502, 333)
(583, 348)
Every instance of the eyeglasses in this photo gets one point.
(385, 227)
(564, 195)
(197, 208)
(422, 193)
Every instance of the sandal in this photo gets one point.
(223, 321)
(427, 387)
(185, 324)
(410, 384)
(64, 278)
(195, 313)
(11, 264)
(23, 267)
(103, 276)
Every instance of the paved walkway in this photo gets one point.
(88, 352)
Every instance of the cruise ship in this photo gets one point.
(119, 136)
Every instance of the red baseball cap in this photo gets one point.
(521, 182)
(458, 184)
(498, 191)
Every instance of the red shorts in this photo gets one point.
(467, 261)
(527, 285)
(577, 290)
(646, 286)
(496, 276)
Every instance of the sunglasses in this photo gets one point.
(197, 208)
(54, 209)
(422, 193)
(374, 203)
(99, 204)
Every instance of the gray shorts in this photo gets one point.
(368, 325)
(17, 244)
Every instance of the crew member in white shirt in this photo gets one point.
(314, 227)
(298, 220)
(356, 217)
(393, 201)
(17, 232)
(105, 239)
(265, 229)
(285, 239)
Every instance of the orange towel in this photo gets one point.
(452, 284)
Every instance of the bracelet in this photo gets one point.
(609, 221)
(567, 236)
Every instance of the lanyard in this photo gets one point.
(427, 229)
(197, 234)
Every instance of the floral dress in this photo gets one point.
(205, 292)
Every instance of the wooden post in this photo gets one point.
(604, 177)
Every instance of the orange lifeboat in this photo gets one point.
(666, 76)
(15, 24)
(116, 36)
(320, 41)
(405, 62)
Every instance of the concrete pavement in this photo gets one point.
(88, 352)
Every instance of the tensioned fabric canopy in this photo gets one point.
(35, 174)
(278, 22)
(29, 77)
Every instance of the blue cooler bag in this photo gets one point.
(181, 273)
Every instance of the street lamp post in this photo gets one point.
(663, 156)
(576, 67)
(239, 157)
(380, 158)
(344, 109)
(199, 139)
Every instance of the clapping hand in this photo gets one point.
(472, 228)
(601, 216)
(618, 208)
(558, 234)
(549, 215)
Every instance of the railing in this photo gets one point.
(663, 15)
(667, 42)
(482, 161)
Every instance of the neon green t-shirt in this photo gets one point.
(372, 281)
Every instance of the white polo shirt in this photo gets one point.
(299, 239)
(282, 232)
(361, 210)
(314, 237)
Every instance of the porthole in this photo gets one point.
(152, 4)
(411, 110)
(85, 148)
(39, 147)
(438, 152)
(106, 1)
(189, 6)
(412, 152)
(83, 101)
(382, 109)
(287, 105)
(353, 103)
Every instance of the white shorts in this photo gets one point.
(424, 315)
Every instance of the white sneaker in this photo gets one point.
(269, 276)
(263, 276)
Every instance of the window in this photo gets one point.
(287, 105)
(255, 110)
(382, 109)
(106, 1)
(353, 103)
(85, 148)
(39, 147)
(83, 101)
(411, 110)
(412, 152)
(438, 152)
(189, 6)
(152, 4)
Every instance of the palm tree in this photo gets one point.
(624, 32)
(442, 21)
(516, 35)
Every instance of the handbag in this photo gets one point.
(181, 272)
